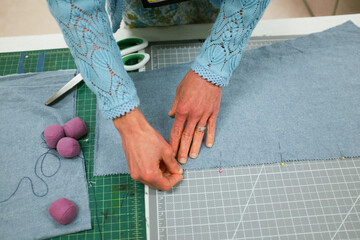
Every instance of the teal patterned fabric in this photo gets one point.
(87, 32)
(222, 50)
(196, 11)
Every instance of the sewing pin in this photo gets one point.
(220, 171)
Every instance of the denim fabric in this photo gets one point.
(294, 100)
(29, 180)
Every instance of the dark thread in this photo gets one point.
(39, 160)
(220, 159)
(281, 157)
(341, 154)
(42, 162)
(96, 211)
(43, 143)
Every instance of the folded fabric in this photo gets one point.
(32, 175)
(294, 100)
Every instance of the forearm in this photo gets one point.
(87, 32)
(222, 50)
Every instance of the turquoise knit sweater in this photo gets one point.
(87, 32)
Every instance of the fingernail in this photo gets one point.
(193, 155)
(209, 145)
(182, 160)
(181, 171)
(174, 154)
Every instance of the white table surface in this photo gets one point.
(274, 27)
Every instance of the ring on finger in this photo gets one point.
(201, 128)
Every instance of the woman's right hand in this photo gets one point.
(150, 158)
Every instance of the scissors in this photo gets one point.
(129, 47)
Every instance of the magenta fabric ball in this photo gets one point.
(68, 147)
(75, 128)
(63, 211)
(53, 134)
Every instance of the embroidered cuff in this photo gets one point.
(121, 110)
(208, 75)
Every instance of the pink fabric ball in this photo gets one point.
(68, 147)
(63, 211)
(75, 128)
(53, 134)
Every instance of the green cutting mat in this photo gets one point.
(116, 201)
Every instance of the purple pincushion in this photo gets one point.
(53, 134)
(75, 128)
(68, 147)
(63, 211)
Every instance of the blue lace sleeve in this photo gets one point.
(86, 29)
(222, 50)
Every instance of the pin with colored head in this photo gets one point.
(220, 171)
(341, 154)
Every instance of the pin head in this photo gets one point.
(220, 171)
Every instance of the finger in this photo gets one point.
(163, 167)
(186, 139)
(149, 184)
(170, 162)
(166, 182)
(152, 177)
(158, 179)
(197, 139)
(174, 179)
(176, 132)
(137, 177)
(210, 131)
(174, 106)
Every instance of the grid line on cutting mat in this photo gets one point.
(297, 200)
(273, 203)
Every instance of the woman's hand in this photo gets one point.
(197, 103)
(150, 158)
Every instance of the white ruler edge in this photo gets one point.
(147, 212)
(273, 27)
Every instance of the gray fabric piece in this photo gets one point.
(293, 100)
(23, 118)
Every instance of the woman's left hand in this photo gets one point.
(197, 104)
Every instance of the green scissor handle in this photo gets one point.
(131, 45)
(132, 60)
(128, 61)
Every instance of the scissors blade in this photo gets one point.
(72, 83)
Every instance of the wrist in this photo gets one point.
(130, 122)
(209, 75)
